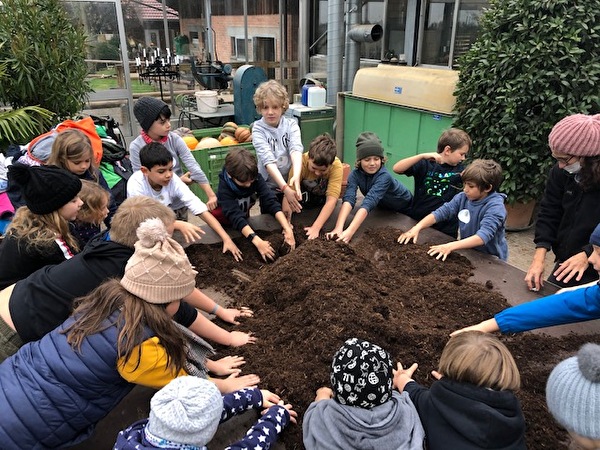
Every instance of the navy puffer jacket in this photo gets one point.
(52, 396)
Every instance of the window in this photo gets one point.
(238, 50)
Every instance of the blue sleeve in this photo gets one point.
(449, 210)
(381, 184)
(351, 188)
(240, 401)
(559, 309)
(418, 394)
(266, 196)
(265, 431)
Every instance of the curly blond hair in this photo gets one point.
(272, 91)
(95, 201)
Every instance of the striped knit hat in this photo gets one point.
(573, 392)
(159, 270)
(576, 135)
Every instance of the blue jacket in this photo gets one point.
(558, 309)
(379, 189)
(485, 218)
(52, 395)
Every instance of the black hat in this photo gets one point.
(361, 374)
(368, 144)
(44, 188)
(147, 110)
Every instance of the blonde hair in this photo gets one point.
(271, 90)
(480, 359)
(134, 211)
(40, 230)
(95, 201)
(72, 145)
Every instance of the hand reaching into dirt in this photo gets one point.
(312, 232)
(234, 382)
(435, 374)
(441, 251)
(293, 414)
(191, 233)
(264, 248)
(288, 238)
(229, 365)
(403, 376)
(323, 393)
(293, 199)
(345, 236)
(231, 314)
(333, 234)
(487, 326)
(269, 398)
(405, 237)
(535, 274)
(229, 246)
(238, 338)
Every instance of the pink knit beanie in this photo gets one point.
(576, 135)
(159, 270)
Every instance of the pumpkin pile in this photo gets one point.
(231, 134)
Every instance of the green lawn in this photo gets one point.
(107, 79)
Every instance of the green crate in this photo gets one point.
(211, 160)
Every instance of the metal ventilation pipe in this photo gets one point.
(357, 34)
(335, 42)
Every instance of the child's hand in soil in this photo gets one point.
(293, 414)
(403, 376)
(229, 246)
(226, 366)
(239, 338)
(234, 383)
(333, 234)
(323, 393)
(264, 248)
(312, 232)
(288, 238)
(345, 236)
(405, 237)
(269, 399)
(231, 314)
(441, 251)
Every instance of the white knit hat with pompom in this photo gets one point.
(159, 270)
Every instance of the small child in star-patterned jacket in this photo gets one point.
(361, 409)
(185, 414)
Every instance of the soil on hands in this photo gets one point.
(310, 300)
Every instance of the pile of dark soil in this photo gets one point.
(308, 302)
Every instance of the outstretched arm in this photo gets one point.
(443, 250)
(200, 300)
(209, 330)
(228, 245)
(404, 164)
(413, 233)
(341, 221)
(487, 326)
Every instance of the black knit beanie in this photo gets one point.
(368, 144)
(361, 374)
(44, 188)
(147, 110)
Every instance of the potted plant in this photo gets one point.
(535, 62)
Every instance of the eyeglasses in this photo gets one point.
(565, 159)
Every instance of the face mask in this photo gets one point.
(573, 168)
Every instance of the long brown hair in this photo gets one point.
(589, 175)
(135, 313)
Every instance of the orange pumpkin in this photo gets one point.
(190, 141)
(241, 134)
(228, 140)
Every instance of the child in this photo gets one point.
(480, 211)
(569, 305)
(573, 396)
(39, 303)
(375, 183)
(239, 185)
(188, 410)
(437, 176)
(472, 405)
(39, 232)
(277, 142)
(154, 116)
(93, 211)
(156, 180)
(361, 405)
(119, 335)
(72, 150)
(320, 181)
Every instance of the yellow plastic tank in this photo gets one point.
(415, 87)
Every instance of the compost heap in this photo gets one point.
(310, 300)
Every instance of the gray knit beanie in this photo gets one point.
(573, 392)
(361, 374)
(368, 144)
(185, 411)
(159, 270)
(147, 110)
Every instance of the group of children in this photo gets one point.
(136, 296)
